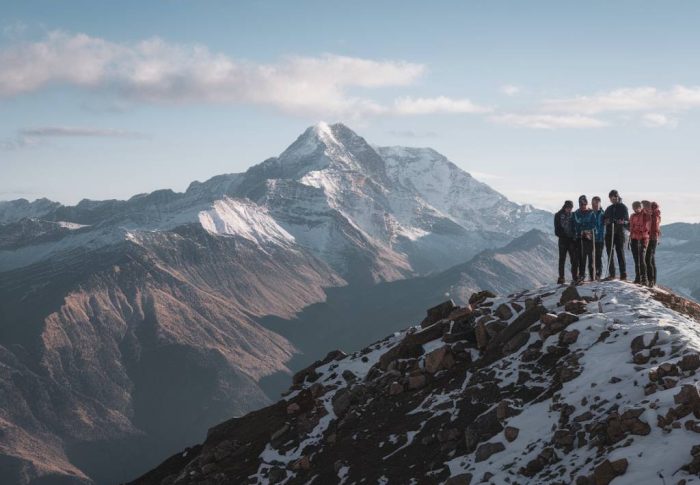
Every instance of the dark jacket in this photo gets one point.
(615, 213)
(564, 224)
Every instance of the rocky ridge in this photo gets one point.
(587, 385)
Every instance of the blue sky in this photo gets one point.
(542, 100)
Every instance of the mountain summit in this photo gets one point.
(587, 385)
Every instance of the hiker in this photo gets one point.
(584, 228)
(616, 220)
(599, 234)
(640, 224)
(564, 230)
(654, 236)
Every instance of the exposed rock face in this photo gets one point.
(567, 406)
(105, 352)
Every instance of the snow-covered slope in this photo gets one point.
(551, 385)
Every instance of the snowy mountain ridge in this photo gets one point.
(330, 193)
(589, 385)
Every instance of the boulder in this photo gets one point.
(503, 312)
(644, 341)
(437, 313)
(569, 294)
(604, 473)
(440, 358)
(689, 362)
(484, 451)
(577, 307)
(568, 338)
(479, 297)
(511, 433)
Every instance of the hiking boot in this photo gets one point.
(623, 277)
(636, 280)
(609, 278)
(561, 280)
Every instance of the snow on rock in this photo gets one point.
(507, 390)
(243, 218)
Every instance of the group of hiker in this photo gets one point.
(585, 232)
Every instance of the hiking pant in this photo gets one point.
(618, 243)
(585, 257)
(567, 246)
(651, 261)
(598, 258)
(639, 249)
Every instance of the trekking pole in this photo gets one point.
(612, 242)
(593, 276)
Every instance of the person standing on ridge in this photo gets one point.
(584, 228)
(564, 230)
(654, 236)
(616, 220)
(640, 224)
(599, 236)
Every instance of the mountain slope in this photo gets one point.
(386, 307)
(93, 344)
(545, 386)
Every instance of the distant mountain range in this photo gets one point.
(129, 327)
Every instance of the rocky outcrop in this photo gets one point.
(455, 401)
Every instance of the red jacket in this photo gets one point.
(640, 226)
(655, 229)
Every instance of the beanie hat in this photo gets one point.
(568, 204)
(583, 200)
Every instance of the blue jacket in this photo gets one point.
(599, 225)
(584, 221)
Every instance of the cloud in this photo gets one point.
(678, 98)
(510, 90)
(548, 121)
(655, 120)
(70, 131)
(156, 71)
(440, 104)
(29, 137)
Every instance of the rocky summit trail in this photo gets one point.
(587, 385)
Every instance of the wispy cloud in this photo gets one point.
(29, 137)
(72, 131)
(548, 121)
(655, 120)
(440, 104)
(678, 98)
